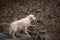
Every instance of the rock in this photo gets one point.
(22, 37)
(3, 36)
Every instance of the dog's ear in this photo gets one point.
(31, 18)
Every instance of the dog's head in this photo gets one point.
(32, 17)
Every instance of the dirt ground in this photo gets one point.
(47, 24)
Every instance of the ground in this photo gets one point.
(46, 11)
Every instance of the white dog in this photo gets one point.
(21, 25)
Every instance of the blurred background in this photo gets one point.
(47, 13)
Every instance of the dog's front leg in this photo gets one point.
(26, 30)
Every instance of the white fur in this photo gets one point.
(21, 25)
